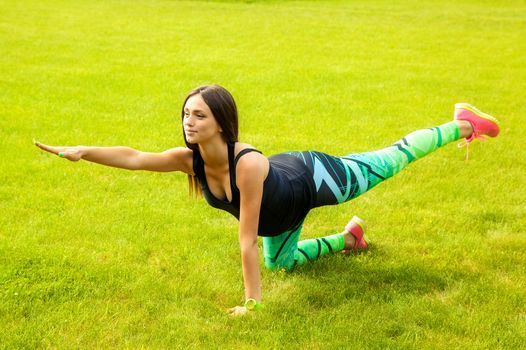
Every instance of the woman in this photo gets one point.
(271, 196)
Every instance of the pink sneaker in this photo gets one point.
(356, 227)
(483, 124)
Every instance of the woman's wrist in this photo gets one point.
(80, 151)
(83, 151)
(252, 304)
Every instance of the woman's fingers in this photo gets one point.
(49, 149)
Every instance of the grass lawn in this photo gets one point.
(96, 257)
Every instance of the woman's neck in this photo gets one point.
(214, 153)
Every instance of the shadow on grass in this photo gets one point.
(373, 276)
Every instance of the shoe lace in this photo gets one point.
(465, 142)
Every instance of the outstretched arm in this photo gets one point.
(251, 172)
(175, 159)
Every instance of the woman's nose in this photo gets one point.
(188, 121)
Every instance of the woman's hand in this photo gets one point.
(70, 153)
(238, 311)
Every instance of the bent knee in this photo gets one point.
(271, 265)
(279, 265)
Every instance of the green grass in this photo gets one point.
(95, 257)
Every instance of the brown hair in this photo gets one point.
(224, 110)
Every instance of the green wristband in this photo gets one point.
(253, 304)
(61, 154)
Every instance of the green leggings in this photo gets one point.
(346, 178)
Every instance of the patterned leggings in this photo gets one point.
(340, 179)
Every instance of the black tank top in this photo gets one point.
(288, 191)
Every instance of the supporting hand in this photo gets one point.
(238, 311)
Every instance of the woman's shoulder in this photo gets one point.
(183, 156)
(181, 152)
(239, 146)
(251, 164)
(242, 150)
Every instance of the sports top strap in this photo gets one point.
(243, 152)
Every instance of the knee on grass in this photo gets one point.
(278, 265)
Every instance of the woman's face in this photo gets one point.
(199, 123)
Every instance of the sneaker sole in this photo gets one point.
(478, 113)
(360, 223)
